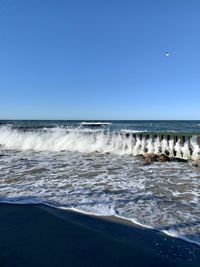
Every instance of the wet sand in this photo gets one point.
(37, 235)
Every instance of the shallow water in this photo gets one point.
(163, 196)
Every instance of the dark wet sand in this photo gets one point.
(36, 235)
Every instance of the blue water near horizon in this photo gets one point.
(179, 126)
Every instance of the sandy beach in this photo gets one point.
(37, 235)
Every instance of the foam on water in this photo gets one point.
(132, 131)
(161, 196)
(91, 141)
(59, 167)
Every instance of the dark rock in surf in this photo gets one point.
(149, 158)
(178, 159)
(154, 157)
(163, 158)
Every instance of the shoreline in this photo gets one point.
(110, 218)
(39, 235)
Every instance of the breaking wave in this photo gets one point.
(162, 196)
(97, 141)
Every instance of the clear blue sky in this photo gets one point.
(99, 59)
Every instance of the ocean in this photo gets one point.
(93, 167)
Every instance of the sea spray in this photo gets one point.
(93, 170)
(100, 141)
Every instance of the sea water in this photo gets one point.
(95, 169)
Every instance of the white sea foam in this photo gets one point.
(91, 141)
(45, 166)
(132, 131)
(84, 123)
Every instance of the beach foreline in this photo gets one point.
(39, 235)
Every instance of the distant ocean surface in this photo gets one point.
(92, 167)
